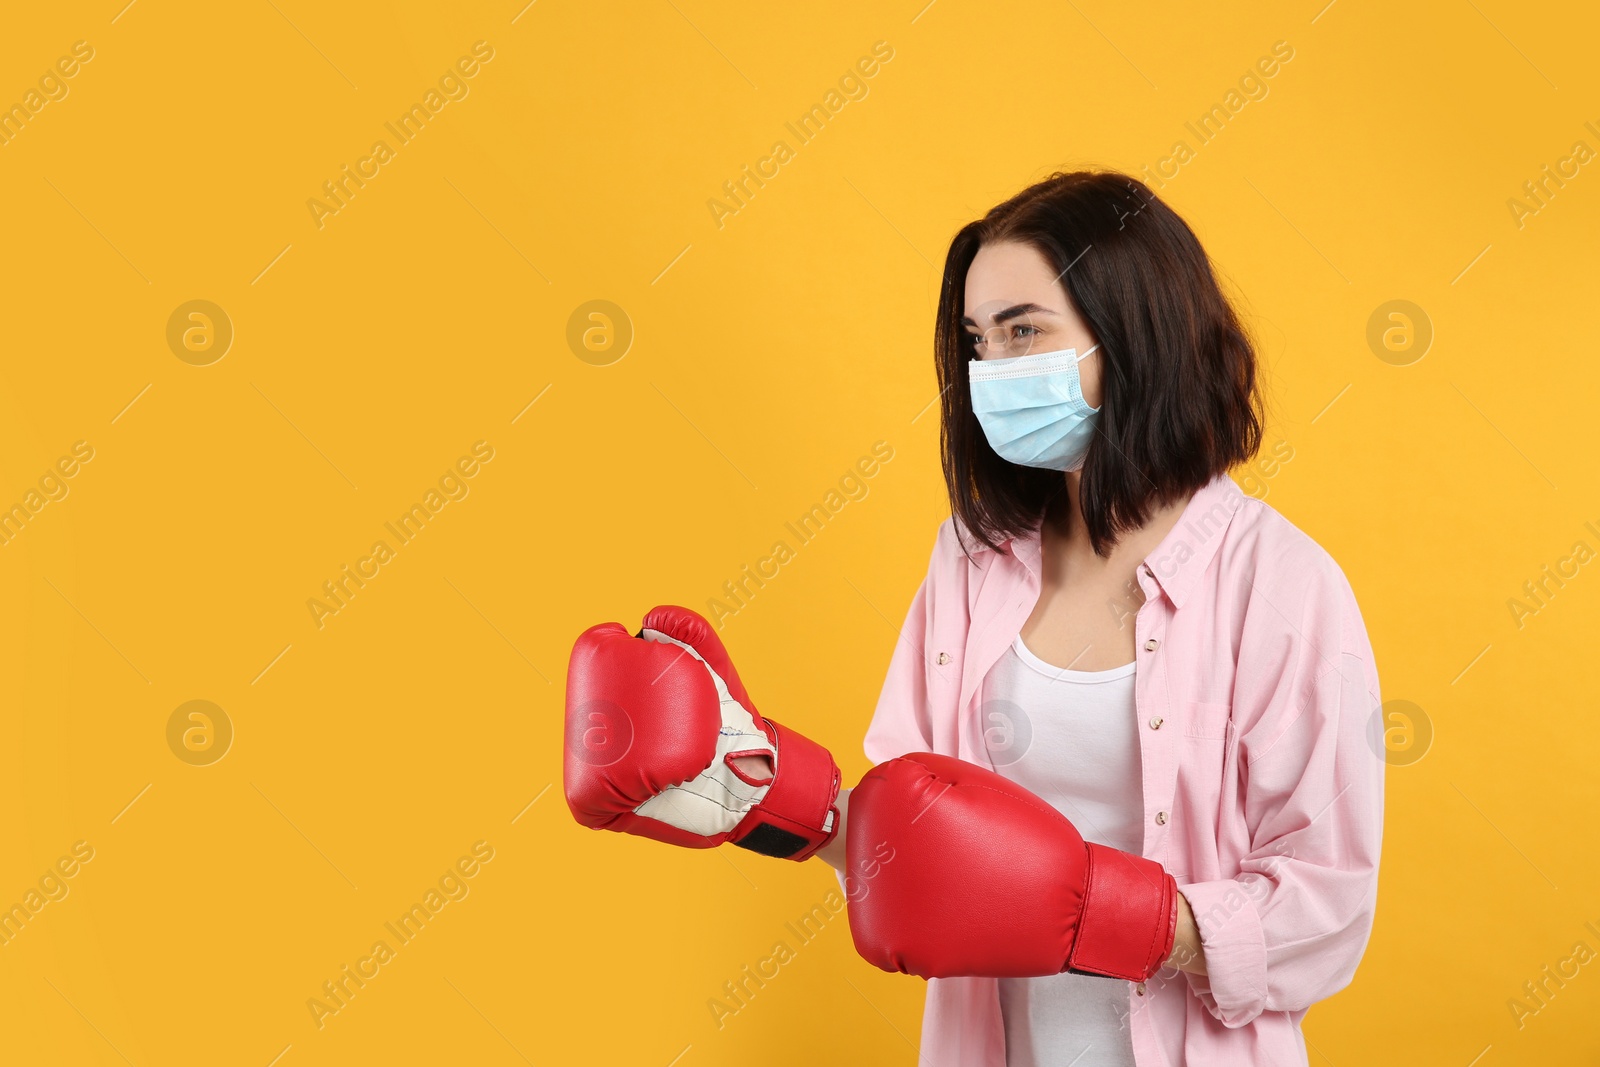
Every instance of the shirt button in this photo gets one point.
(1161, 818)
(1150, 645)
(1155, 723)
(944, 657)
(1140, 989)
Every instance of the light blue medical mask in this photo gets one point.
(1032, 409)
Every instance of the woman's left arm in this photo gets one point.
(1291, 926)
(1188, 951)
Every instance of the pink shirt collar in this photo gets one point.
(1175, 564)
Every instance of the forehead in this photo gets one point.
(1008, 273)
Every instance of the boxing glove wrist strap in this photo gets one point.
(797, 816)
(1129, 918)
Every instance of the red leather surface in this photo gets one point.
(989, 880)
(650, 700)
(1129, 917)
(695, 630)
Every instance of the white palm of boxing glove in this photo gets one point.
(719, 797)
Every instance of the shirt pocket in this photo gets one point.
(1204, 766)
(1208, 721)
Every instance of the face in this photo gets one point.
(1012, 287)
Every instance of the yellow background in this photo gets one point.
(768, 355)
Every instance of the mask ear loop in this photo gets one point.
(1080, 359)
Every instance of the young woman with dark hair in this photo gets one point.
(1111, 625)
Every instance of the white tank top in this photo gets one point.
(1070, 737)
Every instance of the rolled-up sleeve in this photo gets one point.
(1291, 926)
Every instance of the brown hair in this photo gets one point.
(1180, 403)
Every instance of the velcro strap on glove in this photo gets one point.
(797, 816)
(1129, 916)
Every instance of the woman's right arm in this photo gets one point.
(833, 852)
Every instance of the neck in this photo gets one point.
(1065, 533)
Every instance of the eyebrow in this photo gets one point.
(1011, 313)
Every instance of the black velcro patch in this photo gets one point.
(772, 840)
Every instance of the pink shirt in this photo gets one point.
(1262, 783)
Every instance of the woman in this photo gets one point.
(1108, 621)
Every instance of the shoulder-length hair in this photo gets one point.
(1180, 401)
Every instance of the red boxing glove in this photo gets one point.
(654, 721)
(989, 880)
